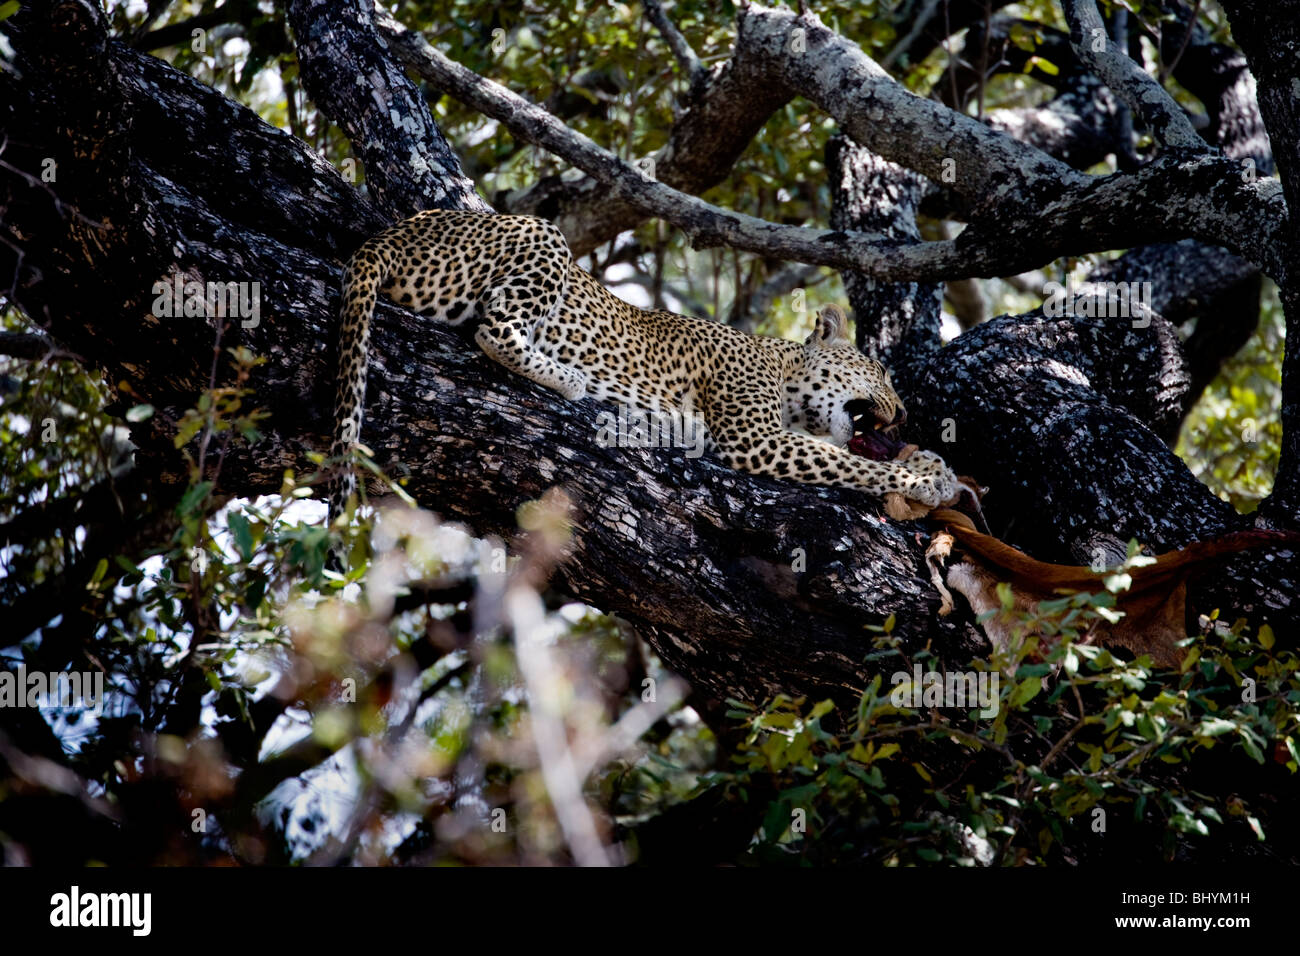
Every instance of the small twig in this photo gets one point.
(919, 24)
(212, 410)
(746, 315)
(984, 62)
(1163, 117)
(560, 767)
(1167, 69)
(695, 71)
(947, 48)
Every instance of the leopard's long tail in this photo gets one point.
(366, 273)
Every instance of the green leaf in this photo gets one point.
(1248, 744)
(1033, 670)
(189, 428)
(1118, 582)
(243, 535)
(821, 709)
(138, 413)
(193, 498)
(1047, 66)
(1025, 691)
(1266, 638)
(127, 566)
(7, 10)
(1214, 726)
(1110, 615)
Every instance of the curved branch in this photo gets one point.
(409, 165)
(726, 110)
(1004, 178)
(744, 585)
(1111, 63)
(682, 52)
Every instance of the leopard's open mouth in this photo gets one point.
(872, 437)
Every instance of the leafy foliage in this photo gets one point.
(1097, 756)
(1232, 438)
(326, 717)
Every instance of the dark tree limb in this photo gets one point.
(1269, 34)
(702, 559)
(1079, 126)
(409, 165)
(873, 195)
(939, 21)
(1111, 63)
(1220, 78)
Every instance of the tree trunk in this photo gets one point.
(744, 585)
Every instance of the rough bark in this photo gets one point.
(1056, 416)
(409, 165)
(722, 113)
(1269, 35)
(871, 194)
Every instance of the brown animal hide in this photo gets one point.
(1154, 606)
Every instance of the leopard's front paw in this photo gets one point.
(574, 387)
(922, 462)
(928, 491)
(929, 480)
(933, 490)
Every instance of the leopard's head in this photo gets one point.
(838, 392)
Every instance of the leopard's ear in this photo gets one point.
(832, 327)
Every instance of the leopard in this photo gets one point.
(770, 406)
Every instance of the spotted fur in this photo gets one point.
(540, 315)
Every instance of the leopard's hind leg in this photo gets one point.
(513, 310)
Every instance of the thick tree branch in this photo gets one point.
(726, 110)
(1111, 63)
(409, 165)
(745, 586)
(870, 194)
(1269, 35)
(1203, 197)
